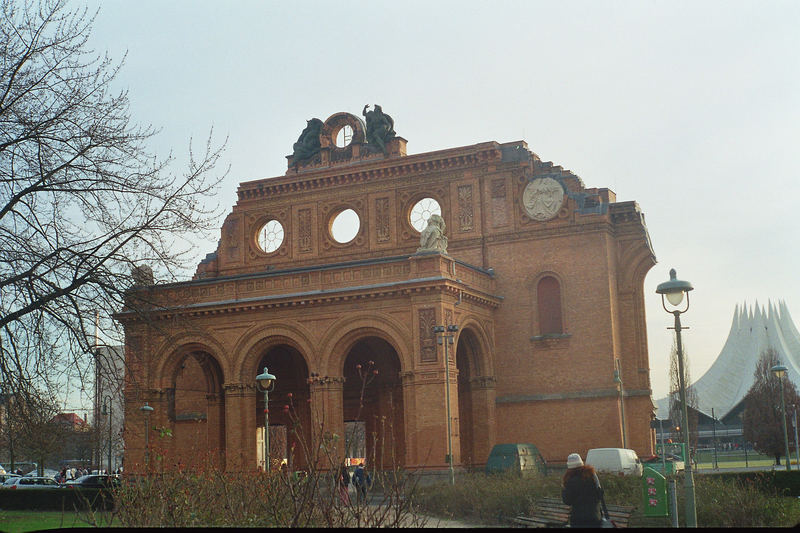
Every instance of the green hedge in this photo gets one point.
(778, 482)
(56, 499)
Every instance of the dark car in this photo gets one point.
(93, 481)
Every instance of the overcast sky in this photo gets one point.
(692, 109)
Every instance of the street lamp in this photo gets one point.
(107, 411)
(618, 383)
(146, 409)
(447, 339)
(780, 371)
(266, 383)
(794, 423)
(674, 291)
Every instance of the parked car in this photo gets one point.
(93, 481)
(30, 482)
(4, 477)
(46, 473)
(615, 461)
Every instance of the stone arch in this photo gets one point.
(289, 408)
(471, 362)
(483, 361)
(176, 346)
(372, 399)
(245, 361)
(192, 378)
(342, 335)
(287, 351)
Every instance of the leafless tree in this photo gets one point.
(675, 407)
(83, 199)
(761, 420)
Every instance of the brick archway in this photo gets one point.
(289, 407)
(195, 405)
(372, 399)
(475, 399)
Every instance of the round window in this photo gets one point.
(422, 211)
(345, 226)
(270, 236)
(344, 136)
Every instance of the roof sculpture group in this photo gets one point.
(379, 131)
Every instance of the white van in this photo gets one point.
(615, 461)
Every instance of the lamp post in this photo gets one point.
(446, 339)
(146, 409)
(794, 423)
(780, 371)
(674, 291)
(618, 383)
(107, 411)
(266, 383)
(714, 432)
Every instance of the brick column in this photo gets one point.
(240, 427)
(327, 423)
(483, 390)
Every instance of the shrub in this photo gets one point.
(720, 502)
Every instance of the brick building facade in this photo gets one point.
(542, 276)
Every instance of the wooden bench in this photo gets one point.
(551, 512)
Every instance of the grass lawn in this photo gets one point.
(22, 521)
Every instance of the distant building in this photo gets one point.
(71, 421)
(724, 386)
(108, 400)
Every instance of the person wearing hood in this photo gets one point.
(581, 490)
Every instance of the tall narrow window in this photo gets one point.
(548, 295)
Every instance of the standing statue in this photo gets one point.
(432, 238)
(308, 143)
(380, 127)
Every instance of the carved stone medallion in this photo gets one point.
(543, 198)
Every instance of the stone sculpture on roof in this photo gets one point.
(308, 143)
(432, 238)
(380, 127)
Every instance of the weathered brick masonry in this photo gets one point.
(542, 276)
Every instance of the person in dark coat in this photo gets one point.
(343, 480)
(361, 480)
(581, 490)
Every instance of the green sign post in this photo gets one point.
(654, 493)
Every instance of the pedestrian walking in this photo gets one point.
(581, 490)
(344, 482)
(361, 481)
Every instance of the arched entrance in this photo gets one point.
(373, 404)
(196, 408)
(289, 409)
(467, 354)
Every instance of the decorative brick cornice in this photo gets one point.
(371, 171)
(412, 287)
(575, 395)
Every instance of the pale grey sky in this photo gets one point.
(690, 108)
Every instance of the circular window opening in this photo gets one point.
(270, 236)
(345, 226)
(422, 211)
(344, 136)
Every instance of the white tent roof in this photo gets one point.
(729, 379)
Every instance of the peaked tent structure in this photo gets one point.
(726, 383)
